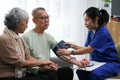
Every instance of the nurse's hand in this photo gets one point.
(63, 51)
(73, 45)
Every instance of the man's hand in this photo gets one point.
(46, 62)
(48, 67)
(84, 63)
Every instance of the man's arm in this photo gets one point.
(69, 59)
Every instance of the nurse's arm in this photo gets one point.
(84, 50)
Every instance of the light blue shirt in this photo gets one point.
(39, 45)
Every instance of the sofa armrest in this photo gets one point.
(114, 78)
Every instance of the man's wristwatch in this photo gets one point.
(72, 52)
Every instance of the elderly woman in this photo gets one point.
(14, 56)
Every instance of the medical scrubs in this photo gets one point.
(104, 51)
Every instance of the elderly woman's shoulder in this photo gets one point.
(4, 37)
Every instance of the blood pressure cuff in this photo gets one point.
(60, 45)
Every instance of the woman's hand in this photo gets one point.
(49, 67)
(73, 45)
(46, 62)
(69, 43)
(63, 51)
(54, 66)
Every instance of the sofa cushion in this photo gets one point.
(118, 49)
(114, 78)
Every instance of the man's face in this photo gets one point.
(42, 21)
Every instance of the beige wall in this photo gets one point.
(114, 28)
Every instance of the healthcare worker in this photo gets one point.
(99, 44)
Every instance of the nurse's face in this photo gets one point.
(89, 23)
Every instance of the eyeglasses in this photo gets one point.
(43, 17)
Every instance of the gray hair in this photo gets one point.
(35, 11)
(14, 17)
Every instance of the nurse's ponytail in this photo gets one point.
(93, 12)
(104, 17)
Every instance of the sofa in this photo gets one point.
(118, 76)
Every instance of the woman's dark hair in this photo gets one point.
(93, 12)
(14, 17)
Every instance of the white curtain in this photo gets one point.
(66, 17)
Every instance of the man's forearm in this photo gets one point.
(67, 58)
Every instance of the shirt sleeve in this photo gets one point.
(51, 41)
(99, 43)
(88, 39)
(25, 40)
(8, 53)
(26, 50)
